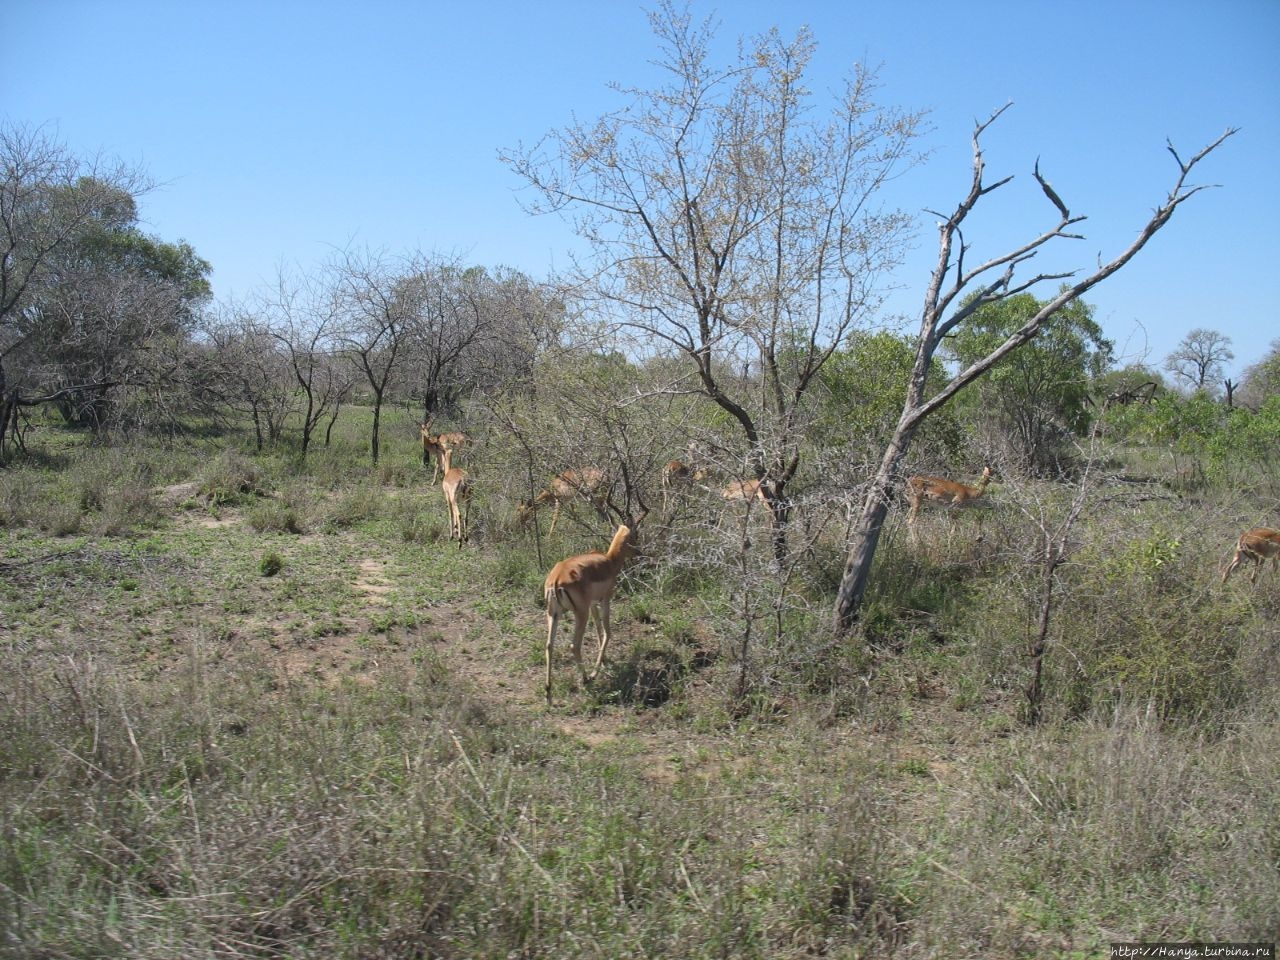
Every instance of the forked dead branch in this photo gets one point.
(957, 290)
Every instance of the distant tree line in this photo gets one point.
(116, 328)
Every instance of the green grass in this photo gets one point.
(283, 716)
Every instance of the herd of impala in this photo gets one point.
(583, 585)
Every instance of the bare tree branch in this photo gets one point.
(1051, 193)
(934, 325)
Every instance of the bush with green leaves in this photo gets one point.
(1031, 406)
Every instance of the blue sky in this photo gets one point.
(279, 131)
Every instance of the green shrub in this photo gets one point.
(61, 519)
(231, 477)
(273, 516)
(356, 505)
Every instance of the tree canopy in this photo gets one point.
(1031, 403)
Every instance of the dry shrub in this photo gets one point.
(274, 516)
(1131, 830)
(231, 477)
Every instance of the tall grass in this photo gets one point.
(198, 760)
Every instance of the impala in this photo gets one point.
(583, 585)
(746, 490)
(947, 493)
(589, 482)
(457, 491)
(678, 474)
(447, 441)
(1259, 545)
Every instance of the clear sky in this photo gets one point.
(280, 130)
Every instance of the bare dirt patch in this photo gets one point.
(372, 581)
(214, 523)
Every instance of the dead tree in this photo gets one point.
(956, 291)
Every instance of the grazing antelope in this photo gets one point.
(583, 585)
(589, 482)
(457, 492)
(947, 493)
(448, 441)
(678, 474)
(1259, 545)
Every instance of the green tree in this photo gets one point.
(51, 201)
(1033, 402)
(1184, 424)
(1262, 379)
(110, 304)
(124, 304)
(862, 388)
(1249, 443)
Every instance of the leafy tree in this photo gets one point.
(124, 302)
(51, 202)
(1262, 379)
(1132, 383)
(862, 397)
(1199, 360)
(1249, 440)
(1182, 423)
(1037, 398)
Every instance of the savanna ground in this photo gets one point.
(253, 708)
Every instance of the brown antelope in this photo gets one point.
(457, 492)
(677, 474)
(1259, 545)
(741, 491)
(583, 585)
(746, 490)
(589, 482)
(448, 441)
(946, 493)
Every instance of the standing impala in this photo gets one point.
(583, 585)
(947, 493)
(447, 441)
(457, 491)
(1259, 545)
